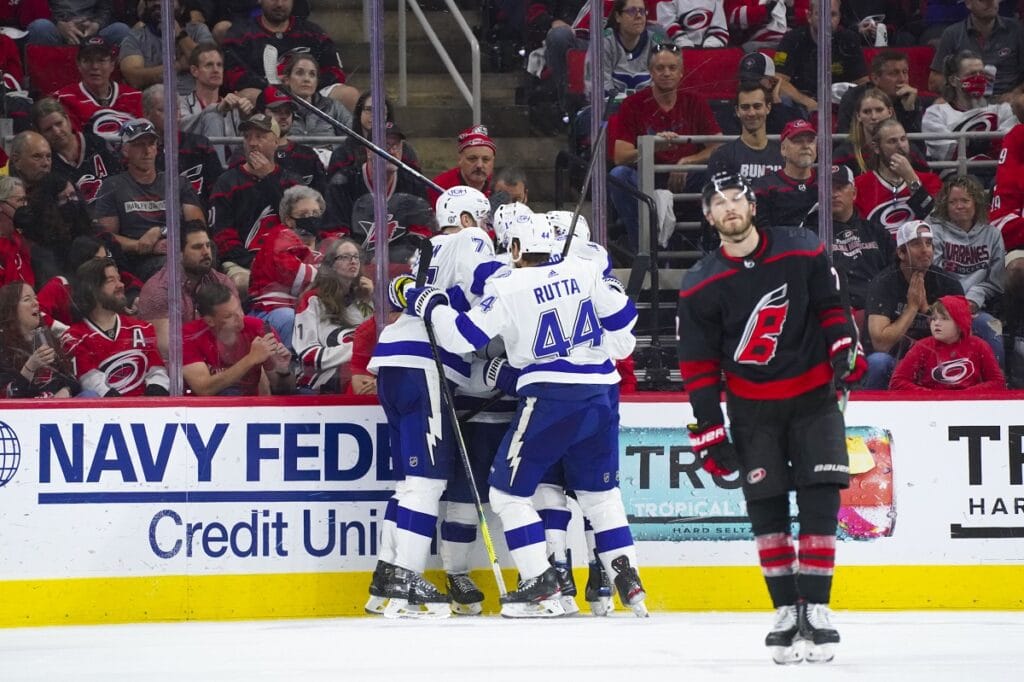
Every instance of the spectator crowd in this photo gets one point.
(276, 240)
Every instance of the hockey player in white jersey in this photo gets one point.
(560, 323)
(581, 246)
(409, 389)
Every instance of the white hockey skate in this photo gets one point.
(537, 597)
(410, 595)
(816, 628)
(783, 639)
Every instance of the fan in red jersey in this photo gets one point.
(112, 354)
(96, 103)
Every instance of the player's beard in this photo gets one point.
(115, 303)
(735, 229)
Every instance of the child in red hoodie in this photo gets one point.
(951, 358)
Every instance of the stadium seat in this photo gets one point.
(919, 61)
(576, 63)
(50, 67)
(711, 73)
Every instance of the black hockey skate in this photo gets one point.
(815, 622)
(377, 601)
(782, 640)
(631, 590)
(536, 598)
(566, 583)
(467, 599)
(599, 590)
(410, 595)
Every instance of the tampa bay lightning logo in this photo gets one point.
(10, 454)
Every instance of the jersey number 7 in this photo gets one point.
(550, 339)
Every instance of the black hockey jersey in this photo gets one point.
(767, 321)
(88, 171)
(783, 201)
(252, 53)
(197, 162)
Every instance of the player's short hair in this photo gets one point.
(201, 49)
(294, 195)
(746, 86)
(190, 227)
(886, 56)
(211, 295)
(511, 175)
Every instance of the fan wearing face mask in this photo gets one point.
(966, 107)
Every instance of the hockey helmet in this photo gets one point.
(560, 222)
(720, 182)
(504, 216)
(458, 200)
(534, 234)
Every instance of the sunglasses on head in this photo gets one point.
(663, 47)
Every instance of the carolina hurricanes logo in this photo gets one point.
(88, 187)
(394, 230)
(953, 371)
(106, 123)
(761, 336)
(696, 20)
(195, 176)
(125, 371)
(980, 121)
(282, 60)
(892, 214)
(254, 230)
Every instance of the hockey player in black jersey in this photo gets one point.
(764, 312)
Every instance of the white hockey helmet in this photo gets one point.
(534, 235)
(560, 222)
(458, 200)
(504, 217)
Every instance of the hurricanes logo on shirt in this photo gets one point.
(125, 371)
(892, 214)
(695, 20)
(761, 335)
(953, 372)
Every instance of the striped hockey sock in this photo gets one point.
(779, 567)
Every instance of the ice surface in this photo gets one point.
(902, 646)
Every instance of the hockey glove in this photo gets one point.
(396, 290)
(848, 361)
(614, 284)
(717, 455)
(420, 301)
(501, 375)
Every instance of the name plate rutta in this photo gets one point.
(668, 496)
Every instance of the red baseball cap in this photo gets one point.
(475, 137)
(272, 97)
(798, 127)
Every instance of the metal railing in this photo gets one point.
(472, 97)
(647, 144)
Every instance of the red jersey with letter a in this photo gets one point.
(1008, 194)
(892, 205)
(126, 359)
(105, 120)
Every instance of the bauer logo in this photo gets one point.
(10, 454)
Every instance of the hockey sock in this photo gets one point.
(588, 535)
(419, 500)
(819, 510)
(769, 518)
(553, 507)
(524, 532)
(386, 549)
(458, 533)
(612, 537)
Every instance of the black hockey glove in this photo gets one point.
(717, 455)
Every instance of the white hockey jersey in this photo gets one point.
(453, 267)
(943, 118)
(694, 23)
(323, 347)
(560, 323)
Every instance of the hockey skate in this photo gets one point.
(815, 621)
(467, 599)
(782, 640)
(627, 582)
(599, 590)
(377, 601)
(536, 598)
(567, 584)
(410, 595)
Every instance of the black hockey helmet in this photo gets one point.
(720, 182)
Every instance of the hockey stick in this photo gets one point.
(844, 296)
(426, 252)
(596, 148)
